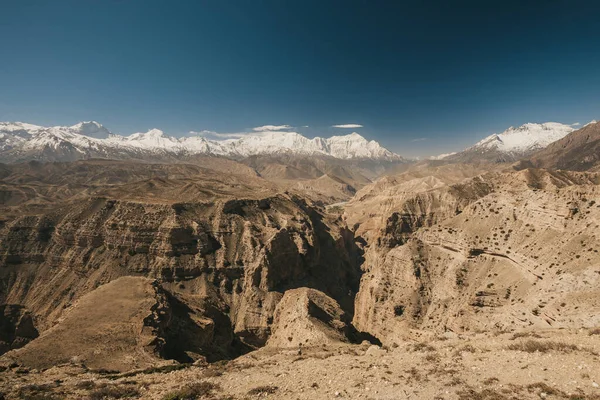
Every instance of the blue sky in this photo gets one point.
(422, 77)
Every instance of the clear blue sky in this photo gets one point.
(447, 72)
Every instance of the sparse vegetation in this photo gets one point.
(541, 387)
(485, 394)
(490, 381)
(87, 385)
(37, 392)
(519, 335)
(594, 331)
(461, 276)
(532, 346)
(421, 346)
(163, 369)
(433, 357)
(263, 390)
(466, 348)
(114, 392)
(193, 391)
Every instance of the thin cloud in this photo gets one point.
(421, 139)
(347, 126)
(270, 128)
(576, 124)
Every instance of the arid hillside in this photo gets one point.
(222, 248)
(114, 270)
(501, 251)
(579, 151)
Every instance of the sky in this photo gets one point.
(421, 77)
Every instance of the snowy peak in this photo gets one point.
(19, 141)
(91, 129)
(356, 146)
(152, 134)
(513, 144)
(525, 138)
(18, 128)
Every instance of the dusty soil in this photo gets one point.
(552, 364)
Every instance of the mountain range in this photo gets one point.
(512, 144)
(24, 142)
(21, 142)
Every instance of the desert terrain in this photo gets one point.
(301, 278)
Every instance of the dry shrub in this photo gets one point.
(433, 357)
(464, 349)
(114, 392)
(531, 346)
(525, 334)
(485, 394)
(422, 347)
(414, 374)
(87, 385)
(37, 392)
(540, 387)
(260, 390)
(211, 373)
(491, 381)
(193, 391)
(455, 381)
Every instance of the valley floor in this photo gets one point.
(552, 364)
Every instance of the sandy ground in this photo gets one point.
(558, 364)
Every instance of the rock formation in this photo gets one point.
(497, 252)
(223, 261)
(308, 317)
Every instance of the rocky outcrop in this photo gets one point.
(306, 318)
(16, 327)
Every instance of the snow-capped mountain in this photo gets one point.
(442, 156)
(21, 142)
(513, 143)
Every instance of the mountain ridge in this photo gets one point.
(513, 143)
(22, 142)
(578, 151)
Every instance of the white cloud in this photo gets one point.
(265, 128)
(576, 124)
(419, 139)
(347, 126)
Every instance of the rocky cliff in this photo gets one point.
(224, 262)
(499, 252)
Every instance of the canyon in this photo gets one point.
(222, 270)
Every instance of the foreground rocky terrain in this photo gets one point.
(220, 279)
(547, 364)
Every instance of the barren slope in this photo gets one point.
(578, 151)
(498, 252)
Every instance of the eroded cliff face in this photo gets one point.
(512, 251)
(224, 263)
(500, 251)
(16, 327)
